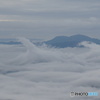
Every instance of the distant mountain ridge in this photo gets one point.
(58, 41)
(11, 43)
(15, 41)
(72, 41)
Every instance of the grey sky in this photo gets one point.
(48, 18)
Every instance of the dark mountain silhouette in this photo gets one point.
(72, 41)
(10, 43)
(59, 41)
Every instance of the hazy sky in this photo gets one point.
(48, 18)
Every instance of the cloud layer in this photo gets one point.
(42, 73)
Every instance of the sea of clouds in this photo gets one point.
(30, 72)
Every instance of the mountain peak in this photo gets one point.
(72, 41)
(79, 36)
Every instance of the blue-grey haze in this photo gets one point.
(48, 18)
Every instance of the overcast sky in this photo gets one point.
(46, 19)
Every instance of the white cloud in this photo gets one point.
(44, 73)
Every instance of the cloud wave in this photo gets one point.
(44, 73)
